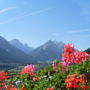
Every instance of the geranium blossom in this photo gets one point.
(49, 89)
(35, 78)
(75, 81)
(29, 69)
(3, 76)
(84, 87)
(71, 56)
(54, 64)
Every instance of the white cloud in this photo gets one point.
(13, 19)
(5, 10)
(38, 12)
(78, 31)
(25, 15)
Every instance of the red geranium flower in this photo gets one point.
(49, 89)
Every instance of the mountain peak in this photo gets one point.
(53, 43)
(11, 54)
(2, 39)
(49, 42)
(48, 51)
(24, 47)
(15, 41)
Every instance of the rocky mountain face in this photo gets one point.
(87, 50)
(49, 51)
(16, 52)
(23, 47)
(11, 54)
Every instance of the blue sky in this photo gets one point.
(36, 21)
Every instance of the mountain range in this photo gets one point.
(49, 51)
(87, 50)
(23, 47)
(15, 51)
(11, 54)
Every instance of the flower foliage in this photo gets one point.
(72, 73)
(3, 76)
(71, 56)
